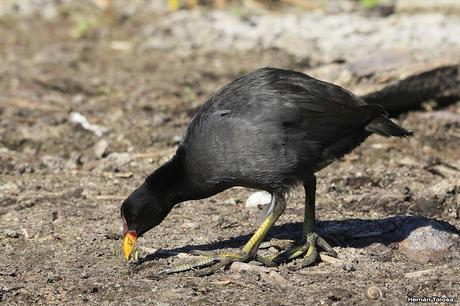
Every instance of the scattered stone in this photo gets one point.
(443, 187)
(9, 187)
(231, 201)
(78, 99)
(9, 233)
(277, 278)
(265, 245)
(75, 160)
(53, 162)
(184, 256)
(429, 243)
(119, 45)
(119, 159)
(124, 174)
(100, 148)
(259, 198)
(408, 194)
(26, 168)
(238, 267)
(158, 119)
(409, 161)
(85, 275)
(53, 279)
(348, 266)
(272, 250)
(176, 139)
(84, 123)
(113, 236)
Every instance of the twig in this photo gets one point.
(331, 260)
(22, 103)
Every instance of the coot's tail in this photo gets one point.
(385, 127)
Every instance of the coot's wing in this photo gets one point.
(325, 112)
(328, 127)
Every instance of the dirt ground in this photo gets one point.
(61, 185)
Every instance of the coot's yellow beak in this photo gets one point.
(129, 241)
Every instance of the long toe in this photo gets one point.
(309, 248)
(326, 247)
(310, 258)
(200, 263)
(214, 259)
(291, 253)
(215, 267)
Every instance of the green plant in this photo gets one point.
(369, 4)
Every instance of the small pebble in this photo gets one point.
(259, 198)
(349, 267)
(100, 148)
(237, 267)
(184, 256)
(9, 233)
(277, 278)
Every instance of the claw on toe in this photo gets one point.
(312, 253)
(308, 248)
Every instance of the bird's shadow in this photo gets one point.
(356, 233)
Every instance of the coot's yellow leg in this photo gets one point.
(310, 240)
(247, 253)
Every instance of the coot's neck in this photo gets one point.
(170, 182)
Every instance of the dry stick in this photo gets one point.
(420, 273)
(331, 260)
(27, 104)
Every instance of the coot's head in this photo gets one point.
(144, 209)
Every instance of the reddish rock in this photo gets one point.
(430, 244)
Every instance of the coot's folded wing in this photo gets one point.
(325, 112)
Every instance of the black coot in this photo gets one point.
(270, 129)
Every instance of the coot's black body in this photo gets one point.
(269, 130)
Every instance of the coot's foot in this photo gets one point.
(216, 260)
(308, 248)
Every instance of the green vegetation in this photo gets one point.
(82, 27)
(369, 4)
